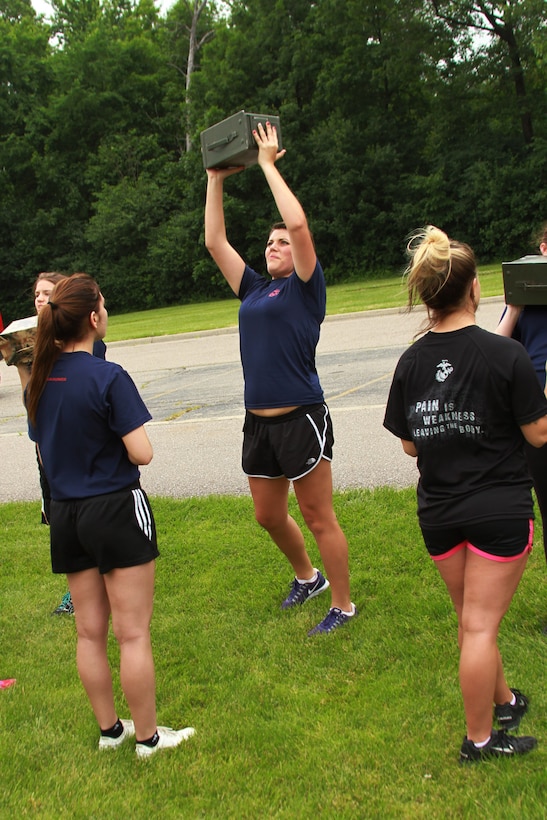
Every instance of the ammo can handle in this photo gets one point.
(532, 286)
(224, 141)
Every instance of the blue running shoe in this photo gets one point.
(333, 619)
(300, 593)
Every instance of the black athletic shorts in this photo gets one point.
(496, 540)
(289, 445)
(105, 531)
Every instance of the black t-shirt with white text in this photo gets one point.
(461, 398)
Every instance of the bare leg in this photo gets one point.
(481, 590)
(131, 592)
(92, 613)
(489, 588)
(314, 495)
(270, 498)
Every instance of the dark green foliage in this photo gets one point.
(393, 116)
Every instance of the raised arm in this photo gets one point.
(290, 209)
(229, 261)
(509, 320)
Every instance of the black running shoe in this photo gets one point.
(499, 745)
(509, 716)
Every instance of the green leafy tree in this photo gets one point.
(512, 27)
(25, 83)
(351, 97)
(394, 114)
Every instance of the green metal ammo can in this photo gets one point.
(230, 143)
(525, 280)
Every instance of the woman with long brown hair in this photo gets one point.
(87, 419)
(43, 287)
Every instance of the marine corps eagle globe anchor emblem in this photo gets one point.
(444, 369)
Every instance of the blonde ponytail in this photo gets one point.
(440, 272)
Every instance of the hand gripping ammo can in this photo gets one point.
(525, 280)
(230, 142)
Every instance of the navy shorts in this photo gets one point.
(496, 540)
(105, 531)
(289, 445)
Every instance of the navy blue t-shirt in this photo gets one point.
(531, 331)
(99, 349)
(88, 404)
(279, 326)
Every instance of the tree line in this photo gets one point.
(395, 114)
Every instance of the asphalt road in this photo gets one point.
(193, 387)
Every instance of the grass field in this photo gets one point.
(366, 723)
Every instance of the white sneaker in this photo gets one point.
(169, 738)
(113, 742)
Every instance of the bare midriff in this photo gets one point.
(269, 412)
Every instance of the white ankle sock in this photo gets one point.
(308, 580)
(482, 743)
